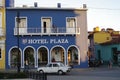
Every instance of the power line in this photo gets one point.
(104, 8)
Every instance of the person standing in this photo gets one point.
(110, 63)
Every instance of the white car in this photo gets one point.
(54, 67)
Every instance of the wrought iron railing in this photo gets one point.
(46, 31)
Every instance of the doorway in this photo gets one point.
(46, 25)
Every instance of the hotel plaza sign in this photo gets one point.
(44, 41)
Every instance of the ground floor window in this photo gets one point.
(14, 56)
(57, 54)
(72, 56)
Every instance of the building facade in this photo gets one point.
(39, 35)
(105, 45)
(109, 50)
(2, 34)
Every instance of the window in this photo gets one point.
(1, 32)
(107, 38)
(1, 3)
(0, 19)
(46, 24)
(23, 23)
(0, 54)
(50, 65)
(55, 65)
(71, 24)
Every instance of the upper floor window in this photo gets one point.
(71, 22)
(71, 25)
(46, 24)
(1, 2)
(22, 23)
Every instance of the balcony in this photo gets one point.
(46, 31)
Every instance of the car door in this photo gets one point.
(48, 68)
(55, 68)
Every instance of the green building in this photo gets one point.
(108, 50)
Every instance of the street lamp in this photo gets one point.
(18, 57)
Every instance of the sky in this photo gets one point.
(101, 13)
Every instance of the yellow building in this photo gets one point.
(2, 34)
(102, 36)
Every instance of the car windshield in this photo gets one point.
(61, 64)
(49, 65)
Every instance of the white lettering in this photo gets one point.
(37, 41)
(44, 41)
(55, 41)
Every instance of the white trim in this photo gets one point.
(78, 53)
(9, 54)
(33, 54)
(48, 55)
(62, 48)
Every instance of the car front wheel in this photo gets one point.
(41, 71)
(60, 72)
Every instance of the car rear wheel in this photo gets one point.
(60, 72)
(41, 71)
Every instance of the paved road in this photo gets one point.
(89, 74)
(100, 73)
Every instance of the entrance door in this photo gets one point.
(29, 58)
(46, 25)
(42, 56)
(115, 55)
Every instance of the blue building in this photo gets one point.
(44, 34)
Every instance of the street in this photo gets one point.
(98, 73)
(89, 74)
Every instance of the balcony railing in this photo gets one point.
(46, 31)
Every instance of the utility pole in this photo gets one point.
(18, 56)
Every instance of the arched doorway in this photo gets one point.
(72, 56)
(57, 54)
(15, 58)
(42, 56)
(29, 57)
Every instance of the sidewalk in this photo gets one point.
(102, 67)
(15, 70)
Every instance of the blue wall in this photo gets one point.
(9, 3)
